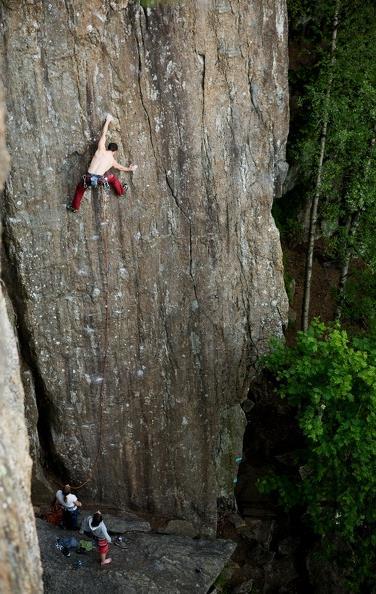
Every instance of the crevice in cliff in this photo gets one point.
(252, 95)
(138, 34)
(202, 59)
(51, 462)
(174, 196)
(191, 265)
(207, 168)
(142, 99)
(146, 14)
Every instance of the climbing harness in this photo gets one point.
(91, 180)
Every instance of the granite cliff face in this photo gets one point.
(139, 319)
(20, 571)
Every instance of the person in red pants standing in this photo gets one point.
(98, 173)
(95, 526)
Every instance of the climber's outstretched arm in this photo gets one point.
(122, 168)
(102, 140)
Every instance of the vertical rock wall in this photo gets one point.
(20, 571)
(140, 318)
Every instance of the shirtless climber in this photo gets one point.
(98, 173)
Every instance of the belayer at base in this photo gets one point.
(69, 504)
(98, 172)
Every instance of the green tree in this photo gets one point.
(334, 147)
(358, 304)
(331, 383)
(319, 169)
(350, 173)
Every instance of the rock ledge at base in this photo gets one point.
(151, 564)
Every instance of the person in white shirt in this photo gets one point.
(70, 505)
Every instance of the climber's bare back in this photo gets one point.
(104, 158)
(102, 161)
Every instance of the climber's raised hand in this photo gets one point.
(102, 140)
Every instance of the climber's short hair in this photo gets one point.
(112, 147)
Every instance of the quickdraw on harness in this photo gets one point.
(90, 180)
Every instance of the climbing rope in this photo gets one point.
(104, 361)
(105, 349)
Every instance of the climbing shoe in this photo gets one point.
(119, 542)
(70, 207)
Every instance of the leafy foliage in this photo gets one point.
(332, 385)
(348, 177)
(347, 212)
(359, 303)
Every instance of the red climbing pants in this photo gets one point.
(80, 190)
